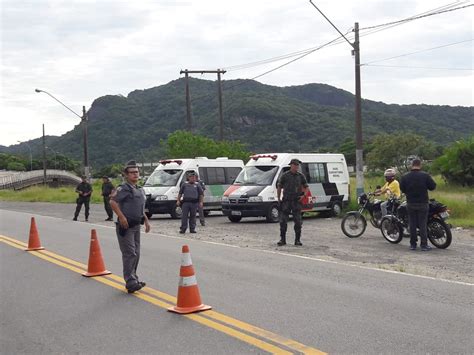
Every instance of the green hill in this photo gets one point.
(266, 118)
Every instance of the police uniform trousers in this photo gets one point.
(107, 207)
(189, 213)
(82, 201)
(130, 248)
(292, 206)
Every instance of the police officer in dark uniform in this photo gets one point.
(84, 189)
(294, 186)
(190, 198)
(128, 202)
(107, 188)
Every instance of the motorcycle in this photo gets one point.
(394, 227)
(354, 223)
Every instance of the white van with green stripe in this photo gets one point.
(162, 186)
(254, 191)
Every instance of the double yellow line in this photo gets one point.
(255, 336)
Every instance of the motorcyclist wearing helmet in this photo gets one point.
(390, 188)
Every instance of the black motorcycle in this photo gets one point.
(354, 223)
(394, 227)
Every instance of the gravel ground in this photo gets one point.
(322, 238)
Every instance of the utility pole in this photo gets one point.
(358, 117)
(358, 104)
(189, 122)
(84, 132)
(44, 157)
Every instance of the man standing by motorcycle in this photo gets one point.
(390, 188)
(415, 185)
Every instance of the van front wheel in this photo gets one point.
(234, 219)
(273, 214)
(176, 213)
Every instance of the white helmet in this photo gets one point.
(390, 173)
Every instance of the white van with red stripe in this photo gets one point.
(254, 191)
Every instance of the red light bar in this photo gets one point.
(164, 162)
(257, 156)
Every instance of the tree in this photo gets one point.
(393, 150)
(182, 144)
(457, 163)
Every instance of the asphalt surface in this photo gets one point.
(322, 301)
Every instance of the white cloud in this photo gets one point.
(81, 50)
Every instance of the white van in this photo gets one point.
(254, 192)
(162, 187)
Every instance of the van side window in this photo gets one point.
(215, 176)
(230, 174)
(317, 173)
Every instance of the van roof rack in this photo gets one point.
(169, 161)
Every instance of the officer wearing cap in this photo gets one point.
(84, 189)
(294, 186)
(190, 198)
(128, 202)
(107, 188)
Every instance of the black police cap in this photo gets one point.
(295, 161)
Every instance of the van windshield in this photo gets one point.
(256, 175)
(164, 177)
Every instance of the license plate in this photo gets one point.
(235, 213)
(444, 215)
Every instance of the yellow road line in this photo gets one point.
(207, 318)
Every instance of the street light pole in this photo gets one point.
(55, 156)
(31, 155)
(84, 130)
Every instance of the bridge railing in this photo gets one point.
(20, 180)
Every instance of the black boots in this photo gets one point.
(282, 241)
(297, 239)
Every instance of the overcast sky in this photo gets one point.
(81, 50)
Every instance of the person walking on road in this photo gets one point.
(190, 198)
(107, 188)
(415, 186)
(294, 187)
(128, 203)
(84, 189)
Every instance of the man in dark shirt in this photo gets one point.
(415, 186)
(294, 186)
(84, 189)
(107, 188)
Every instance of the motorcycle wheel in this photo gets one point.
(376, 218)
(391, 230)
(353, 224)
(439, 233)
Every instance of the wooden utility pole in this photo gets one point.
(358, 117)
(189, 119)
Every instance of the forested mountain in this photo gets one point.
(267, 118)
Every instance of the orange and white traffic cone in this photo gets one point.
(189, 300)
(34, 241)
(96, 265)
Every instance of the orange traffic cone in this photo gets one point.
(189, 300)
(96, 265)
(34, 241)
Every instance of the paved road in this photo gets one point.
(319, 304)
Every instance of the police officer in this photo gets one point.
(190, 198)
(128, 202)
(84, 189)
(107, 188)
(294, 186)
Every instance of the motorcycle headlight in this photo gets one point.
(161, 198)
(225, 199)
(255, 199)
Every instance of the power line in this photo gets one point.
(413, 67)
(416, 17)
(420, 51)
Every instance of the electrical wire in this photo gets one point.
(420, 51)
(413, 67)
